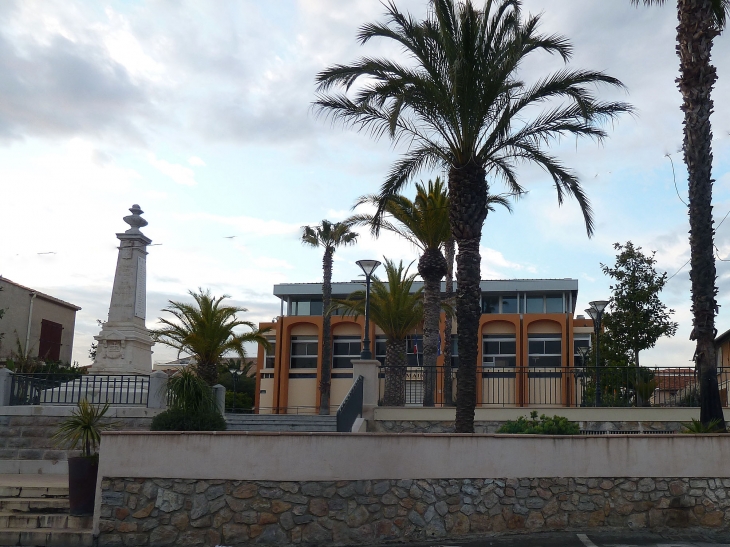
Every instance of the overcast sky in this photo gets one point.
(201, 113)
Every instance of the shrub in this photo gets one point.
(175, 419)
(83, 428)
(557, 425)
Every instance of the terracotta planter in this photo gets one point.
(82, 473)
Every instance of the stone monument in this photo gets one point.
(124, 343)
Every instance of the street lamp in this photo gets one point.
(583, 351)
(596, 313)
(235, 373)
(368, 267)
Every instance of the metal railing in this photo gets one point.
(587, 386)
(351, 407)
(69, 389)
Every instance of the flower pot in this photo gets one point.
(82, 473)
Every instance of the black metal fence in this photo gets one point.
(351, 407)
(69, 389)
(550, 386)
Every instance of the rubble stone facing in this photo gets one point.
(30, 437)
(424, 426)
(154, 512)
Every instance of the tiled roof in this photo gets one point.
(39, 294)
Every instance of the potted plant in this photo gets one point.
(82, 428)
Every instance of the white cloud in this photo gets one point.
(179, 173)
(196, 161)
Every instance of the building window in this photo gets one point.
(580, 340)
(540, 303)
(270, 354)
(509, 304)
(344, 350)
(414, 350)
(303, 352)
(535, 304)
(490, 304)
(381, 346)
(454, 351)
(499, 350)
(554, 303)
(306, 307)
(545, 350)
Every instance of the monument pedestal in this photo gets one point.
(124, 343)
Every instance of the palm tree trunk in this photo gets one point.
(695, 34)
(468, 191)
(325, 382)
(432, 267)
(395, 373)
(208, 372)
(449, 325)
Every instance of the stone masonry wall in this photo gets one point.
(29, 437)
(423, 426)
(152, 512)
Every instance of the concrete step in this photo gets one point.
(33, 486)
(33, 521)
(47, 537)
(26, 505)
(275, 417)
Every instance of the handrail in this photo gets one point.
(351, 407)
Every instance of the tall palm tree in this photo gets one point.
(329, 236)
(700, 21)
(206, 331)
(449, 251)
(424, 222)
(460, 105)
(397, 309)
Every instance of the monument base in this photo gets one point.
(123, 348)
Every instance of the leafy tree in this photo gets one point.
(460, 104)
(637, 318)
(397, 310)
(700, 22)
(206, 330)
(329, 236)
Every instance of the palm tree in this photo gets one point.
(206, 331)
(329, 236)
(424, 222)
(460, 105)
(700, 21)
(397, 309)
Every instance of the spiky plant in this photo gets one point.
(83, 428)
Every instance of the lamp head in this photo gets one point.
(239, 372)
(368, 266)
(232, 370)
(593, 314)
(584, 351)
(599, 305)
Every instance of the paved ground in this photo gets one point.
(601, 539)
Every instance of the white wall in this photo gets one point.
(338, 456)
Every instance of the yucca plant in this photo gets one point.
(83, 428)
(188, 392)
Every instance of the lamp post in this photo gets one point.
(596, 313)
(583, 351)
(368, 267)
(235, 373)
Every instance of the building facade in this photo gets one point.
(42, 325)
(528, 345)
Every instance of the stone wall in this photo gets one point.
(432, 426)
(151, 512)
(29, 437)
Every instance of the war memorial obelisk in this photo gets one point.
(124, 343)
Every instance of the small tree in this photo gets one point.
(637, 317)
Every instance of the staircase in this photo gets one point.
(280, 422)
(34, 512)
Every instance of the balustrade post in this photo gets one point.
(219, 392)
(6, 379)
(368, 369)
(157, 394)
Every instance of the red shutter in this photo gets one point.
(49, 348)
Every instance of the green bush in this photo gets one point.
(557, 425)
(243, 401)
(175, 419)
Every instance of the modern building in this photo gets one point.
(42, 325)
(529, 339)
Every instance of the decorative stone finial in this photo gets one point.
(135, 220)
